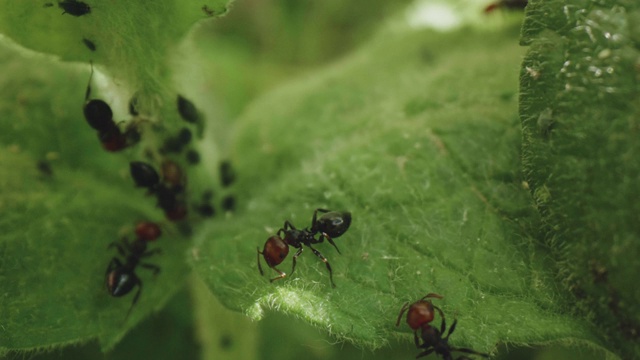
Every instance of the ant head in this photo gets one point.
(419, 314)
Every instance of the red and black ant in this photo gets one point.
(169, 192)
(330, 225)
(120, 276)
(100, 117)
(506, 4)
(420, 314)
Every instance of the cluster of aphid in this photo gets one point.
(170, 191)
(168, 185)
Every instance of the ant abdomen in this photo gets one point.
(275, 250)
(334, 223)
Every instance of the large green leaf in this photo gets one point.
(64, 200)
(580, 116)
(134, 39)
(417, 135)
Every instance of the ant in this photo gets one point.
(420, 314)
(120, 276)
(330, 225)
(506, 4)
(169, 191)
(100, 117)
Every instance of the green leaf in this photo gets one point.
(417, 135)
(57, 223)
(580, 118)
(133, 39)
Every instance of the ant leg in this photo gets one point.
(315, 217)
(330, 240)
(452, 328)
(425, 353)
(402, 310)
(154, 268)
(443, 324)
(468, 351)
(287, 226)
(295, 256)
(416, 340)
(119, 247)
(282, 275)
(258, 257)
(135, 298)
(326, 262)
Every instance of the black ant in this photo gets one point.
(330, 225)
(100, 117)
(506, 4)
(120, 276)
(169, 192)
(420, 314)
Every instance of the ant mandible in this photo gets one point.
(120, 276)
(330, 225)
(420, 314)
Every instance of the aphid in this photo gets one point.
(420, 315)
(172, 174)
(48, 4)
(45, 168)
(120, 276)
(89, 44)
(206, 210)
(74, 7)
(229, 203)
(187, 110)
(330, 225)
(193, 157)
(227, 175)
(99, 116)
(175, 144)
(144, 175)
(506, 4)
